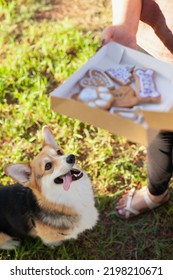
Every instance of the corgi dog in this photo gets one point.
(53, 198)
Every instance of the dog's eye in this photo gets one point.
(48, 165)
(59, 152)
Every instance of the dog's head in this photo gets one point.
(51, 168)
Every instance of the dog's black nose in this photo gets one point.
(70, 159)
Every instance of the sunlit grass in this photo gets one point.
(36, 57)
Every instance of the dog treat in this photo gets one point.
(88, 94)
(99, 97)
(124, 96)
(130, 113)
(121, 75)
(96, 78)
(145, 85)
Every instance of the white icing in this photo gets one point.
(91, 104)
(105, 96)
(122, 74)
(97, 78)
(97, 103)
(101, 103)
(147, 85)
(103, 89)
(88, 94)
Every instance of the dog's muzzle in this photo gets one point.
(74, 173)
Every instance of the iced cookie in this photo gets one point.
(145, 85)
(87, 94)
(95, 97)
(96, 78)
(130, 113)
(124, 96)
(121, 75)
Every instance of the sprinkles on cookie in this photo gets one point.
(122, 75)
(146, 87)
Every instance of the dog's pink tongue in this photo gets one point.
(67, 179)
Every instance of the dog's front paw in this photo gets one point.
(9, 245)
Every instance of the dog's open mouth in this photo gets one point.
(66, 179)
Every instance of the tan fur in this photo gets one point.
(56, 221)
(4, 238)
(7, 243)
(47, 233)
(37, 165)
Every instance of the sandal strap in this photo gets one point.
(151, 204)
(128, 207)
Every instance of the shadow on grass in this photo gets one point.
(146, 237)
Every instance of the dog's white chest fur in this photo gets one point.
(79, 197)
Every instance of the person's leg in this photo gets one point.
(160, 163)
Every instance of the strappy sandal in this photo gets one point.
(131, 212)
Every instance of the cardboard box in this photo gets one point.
(152, 117)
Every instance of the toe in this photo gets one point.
(122, 202)
(121, 212)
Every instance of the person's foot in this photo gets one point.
(138, 201)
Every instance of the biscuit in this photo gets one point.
(124, 96)
(132, 113)
(99, 97)
(87, 94)
(121, 75)
(145, 85)
(96, 78)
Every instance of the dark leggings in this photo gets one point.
(160, 163)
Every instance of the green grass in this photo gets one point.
(36, 57)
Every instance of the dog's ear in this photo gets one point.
(48, 138)
(20, 172)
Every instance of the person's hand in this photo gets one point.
(119, 34)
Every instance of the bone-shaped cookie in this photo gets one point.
(96, 78)
(146, 87)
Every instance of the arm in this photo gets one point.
(126, 16)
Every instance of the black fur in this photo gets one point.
(17, 209)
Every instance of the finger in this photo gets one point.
(107, 35)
